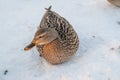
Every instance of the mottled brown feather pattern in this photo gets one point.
(62, 48)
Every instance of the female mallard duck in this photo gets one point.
(115, 2)
(55, 39)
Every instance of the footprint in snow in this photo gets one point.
(5, 72)
(118, 22)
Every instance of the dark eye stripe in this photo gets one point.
(40, 36)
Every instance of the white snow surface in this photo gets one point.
(97, 23)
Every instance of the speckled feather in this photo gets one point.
(62, 48)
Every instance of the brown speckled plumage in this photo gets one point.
(65, 45)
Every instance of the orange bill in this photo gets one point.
(30, 46)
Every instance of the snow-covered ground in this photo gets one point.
(97, 23)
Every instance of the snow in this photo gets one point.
(97, 23)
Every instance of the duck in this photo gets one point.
(55, 38)
(115, 2)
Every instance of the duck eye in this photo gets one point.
(40, 36)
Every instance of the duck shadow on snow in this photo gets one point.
(87, 44)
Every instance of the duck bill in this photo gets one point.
(29, 47)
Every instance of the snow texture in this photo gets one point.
(97, 23)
